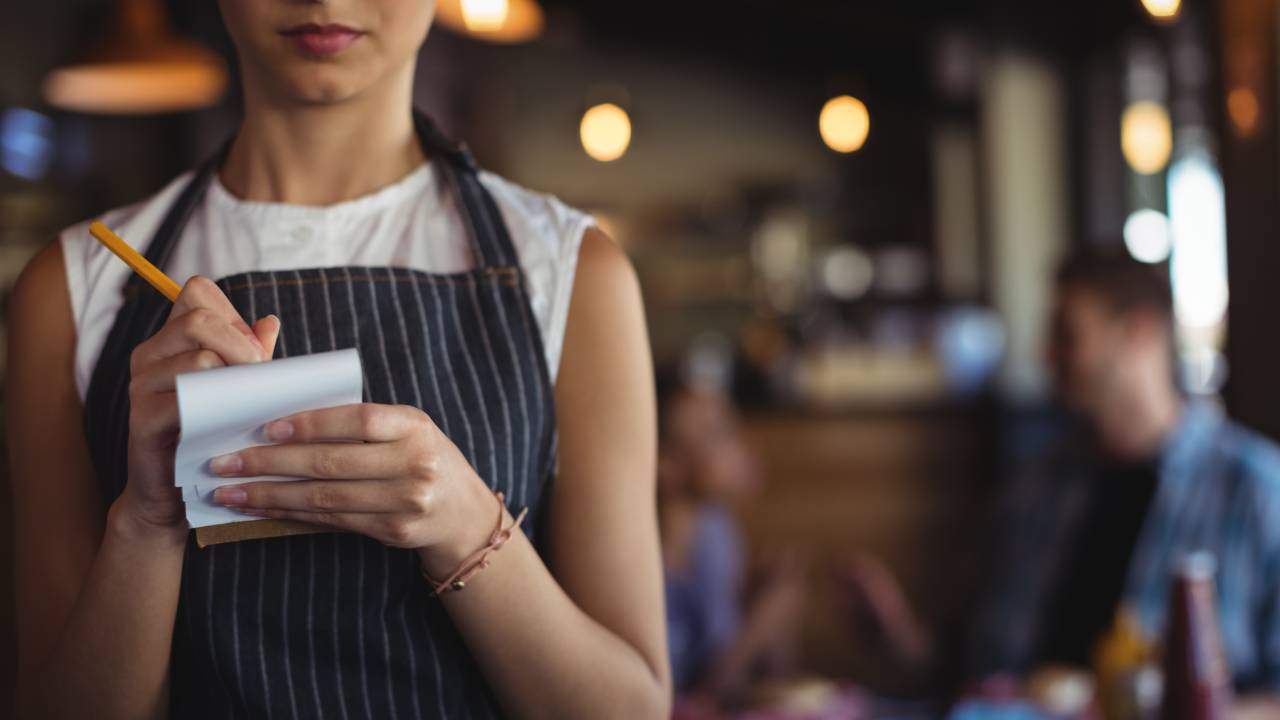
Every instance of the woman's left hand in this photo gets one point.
(385, 471)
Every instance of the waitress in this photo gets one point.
(507, 372)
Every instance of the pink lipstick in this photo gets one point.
(322, 40)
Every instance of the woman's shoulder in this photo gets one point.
(540, 223)
(547, 234)
(85, 259)
(134, 222)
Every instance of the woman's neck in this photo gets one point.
(321, 154)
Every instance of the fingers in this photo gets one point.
(161, 375)
(203, 318)
(198, 329)
(201, 292)
(335, 461)
(316, 496)
(267, 330)
(369, 422)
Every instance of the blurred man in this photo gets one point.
(1103, 517)
(1150, 476)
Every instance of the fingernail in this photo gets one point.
(226, 464)
(230, 496)
(279, 430)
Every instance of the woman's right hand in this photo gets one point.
(203, 331)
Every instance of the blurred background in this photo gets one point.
(845, 212)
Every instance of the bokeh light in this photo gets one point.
(1162, 9)
(485, 15)
(26, 143)
(179, 84)
(847, 272)
(1146, 137)
(1242, 108)
(138, 66)
(606, 132)
(496, 21)
(1198, 267)
(970, 342)
(844, 124)
(1147, 236)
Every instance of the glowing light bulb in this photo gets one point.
(844, 124)
(1146, 137)
(485, 15)
(606, 132)
(495, 21)
(1163, 9)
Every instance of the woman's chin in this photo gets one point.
(323, 86)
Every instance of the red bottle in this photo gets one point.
(1197, 680)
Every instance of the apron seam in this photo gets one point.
(498, 278)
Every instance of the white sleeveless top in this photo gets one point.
(413, 223)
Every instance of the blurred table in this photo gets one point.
(909, 485)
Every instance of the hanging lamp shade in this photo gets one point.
(497, 21)
(139, 67)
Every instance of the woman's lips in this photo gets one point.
(322, 40)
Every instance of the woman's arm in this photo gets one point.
(592, 640)
(96, 592)
(95, 597)
(580, 636)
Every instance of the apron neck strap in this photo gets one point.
(490, 240)
(165, 238)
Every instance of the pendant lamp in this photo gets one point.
(138, 67)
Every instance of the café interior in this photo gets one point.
(847, 218)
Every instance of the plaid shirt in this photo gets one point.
(1218, 490)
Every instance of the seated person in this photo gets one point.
(1147, 476)
(703, 463)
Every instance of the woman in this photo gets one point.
(335, 219)
(718, 645)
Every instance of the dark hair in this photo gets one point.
(1123, 283)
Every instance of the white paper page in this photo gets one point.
(224, 410)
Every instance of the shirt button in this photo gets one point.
(301, 234)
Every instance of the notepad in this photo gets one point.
(225, 409)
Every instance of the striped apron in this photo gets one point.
(337, 625)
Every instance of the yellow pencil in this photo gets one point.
(140, 265)
(210, 534)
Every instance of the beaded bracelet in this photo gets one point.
(480, 559)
